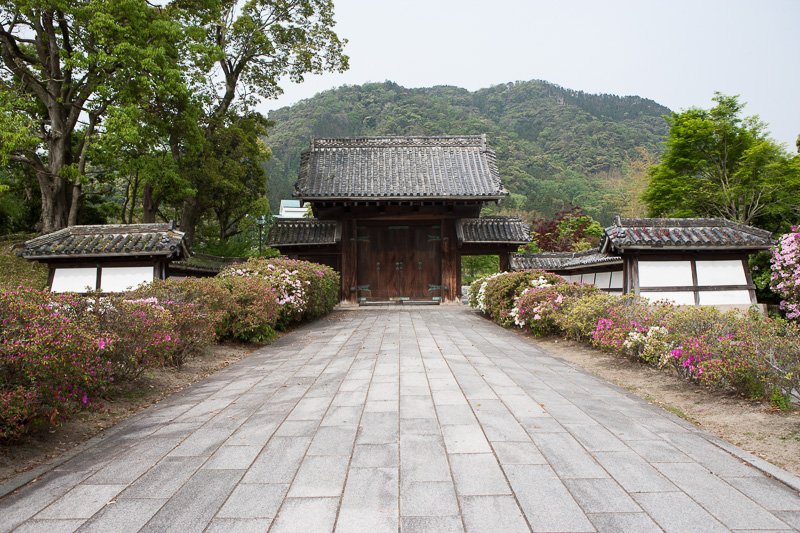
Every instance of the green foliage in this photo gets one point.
(16, 271)
(157, 99)
(718, 163)
(569, 230)
(20, 204)
(554, 146)
(66, 65)
(477, 266)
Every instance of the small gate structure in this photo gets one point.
(394, 215)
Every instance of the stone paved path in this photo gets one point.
(404, 419)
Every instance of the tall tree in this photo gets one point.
(63, 64)
(257, 43)
(625, 190)
(718, 163)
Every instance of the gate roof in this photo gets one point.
(385, 168)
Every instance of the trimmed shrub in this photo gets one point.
(254, 312)
(304, 290)
(53, 361)
(196, 307)
(542, 308)
(59, 352)
(497, 294)
(580, 320)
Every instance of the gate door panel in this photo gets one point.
(399, 262)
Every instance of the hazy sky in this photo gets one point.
(676, 52)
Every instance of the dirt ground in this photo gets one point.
(754, 426)
(49, 442)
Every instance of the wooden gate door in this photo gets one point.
(399, 262)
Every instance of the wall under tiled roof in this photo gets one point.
(399, 167)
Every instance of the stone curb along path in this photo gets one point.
(404, 419)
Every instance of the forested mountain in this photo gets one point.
(554, 145)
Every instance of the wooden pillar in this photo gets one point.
(504, 262)
(451, 288)
(458, 276)
(349, 261)
(750, 283)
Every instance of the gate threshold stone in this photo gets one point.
(428, 419)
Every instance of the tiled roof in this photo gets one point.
(112, 240)
(399, 167)
(510, 230)
(304, 231)
(561, 260)
(684, 233)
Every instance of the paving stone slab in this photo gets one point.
(81, 502)
(370, 501)
(478, 474)
(124, 516)
(492, 513)
(193, 507)
(306, 514)
(677, 512)
(254, 500)
(624, 523)
(428, 498)
(544, 499)
(375, 456)
(431, 524)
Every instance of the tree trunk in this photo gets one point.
(57, 192)
(55, 202)
(189, 220)
(75, 204)
(149, 205)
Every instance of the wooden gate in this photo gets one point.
(399, 262)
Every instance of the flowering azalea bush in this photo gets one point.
(541, 308)
(758, 357)
(303, 290)
(629, 328)
(496, 295)
(60, 352)
(749, 354)
(196, 307)
(52, 362)
(785, 279)
(143, 332)
(254, 312)
(579, 320)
